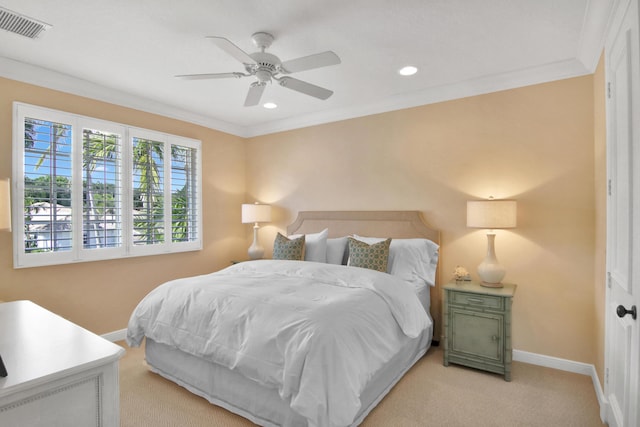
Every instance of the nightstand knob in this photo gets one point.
(621, 311)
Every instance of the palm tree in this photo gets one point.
(98, 148)
(57, 132)
(29, 133)
(148, 161)
(181, 164)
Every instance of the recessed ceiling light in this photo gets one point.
(270, 105)
(409, 70)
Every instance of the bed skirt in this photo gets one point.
(264, 406)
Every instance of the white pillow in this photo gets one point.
(413, 260)
(336, 250)
(315, 246)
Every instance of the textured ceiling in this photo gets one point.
(127, 52)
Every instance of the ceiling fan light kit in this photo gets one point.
(266, 67)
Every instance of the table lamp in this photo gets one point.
(491, 214)
(255, 213)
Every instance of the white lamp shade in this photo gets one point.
(255, 213)
(491, 214)
(5, 204)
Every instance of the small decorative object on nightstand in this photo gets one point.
(477, 326)
(460, 274)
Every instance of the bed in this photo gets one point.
(297, 343)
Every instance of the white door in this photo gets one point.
(623, 219)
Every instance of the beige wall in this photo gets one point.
(600, 150)
(100, 296)
(532, 144)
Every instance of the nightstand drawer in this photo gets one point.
(478, 300)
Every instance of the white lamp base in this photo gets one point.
(491, 272)
(255, 250)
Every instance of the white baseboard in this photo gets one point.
(569, 366)
(552, 362)
(115, 335)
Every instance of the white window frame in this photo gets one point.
(78, 253)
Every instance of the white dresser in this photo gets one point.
(59, 374)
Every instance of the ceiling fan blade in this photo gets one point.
(304, 87)
(254, 94)
(232, 49)
(310, 62)
(209, 76)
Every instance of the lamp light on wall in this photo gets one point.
(5, 204)
(255, 213)
(491, 214)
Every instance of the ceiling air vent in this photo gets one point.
(20, 24)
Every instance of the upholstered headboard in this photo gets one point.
(394, 224)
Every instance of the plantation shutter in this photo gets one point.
(148, 192)
(47, 186)
(89, 189)
(184, 215)
(102, 189)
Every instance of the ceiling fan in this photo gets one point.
(267, 67)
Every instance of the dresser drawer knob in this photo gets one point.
(494, 338)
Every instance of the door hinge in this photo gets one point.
(609, 90)
(606, 376)
(609, 187)
(609, 279)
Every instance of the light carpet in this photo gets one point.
(428, 395)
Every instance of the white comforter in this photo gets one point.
(315, 332)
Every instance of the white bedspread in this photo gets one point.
(315, 332)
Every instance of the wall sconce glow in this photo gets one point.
(409, 70)
(5, 204)
(270, 105)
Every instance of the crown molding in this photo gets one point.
(27, 73)
(488, 84)
(31, 74)
(594, 31)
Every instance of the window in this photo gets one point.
(89, 189)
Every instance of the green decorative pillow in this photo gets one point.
(374, 257)
(284, 248)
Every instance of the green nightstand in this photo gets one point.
(477, 326)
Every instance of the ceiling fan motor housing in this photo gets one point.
(267, 65)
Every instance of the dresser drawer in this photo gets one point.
(477, 300)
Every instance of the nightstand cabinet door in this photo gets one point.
(477, 327)
(477, 335)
